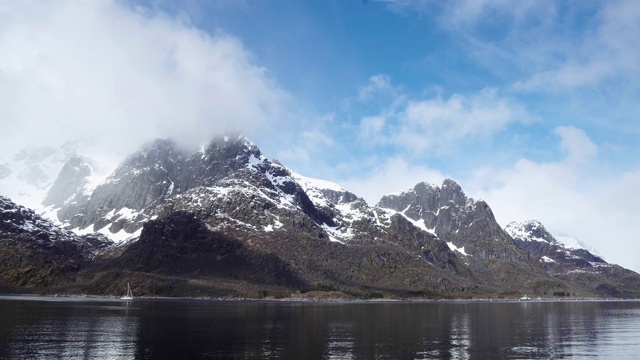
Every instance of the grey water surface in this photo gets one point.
(68, 328)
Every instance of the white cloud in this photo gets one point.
(394, 174)
(569, 197)
(465, 15)
(530, 190)
(553, 46)
(372, 125)
(114, 76)
(569, 75)
(403, 6)
(605, 52)
(309, 151)
(438, 124)
(577, 144)
(469, 13)
(379, 84)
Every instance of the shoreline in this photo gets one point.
(63, 297)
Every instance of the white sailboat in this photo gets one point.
(129, 294)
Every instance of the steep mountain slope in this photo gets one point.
(27, 175)
(231, 188)
(462, 222)
(523, 256)
(36, 253)
(118, 207)
(161, 171)
(574, 265)
(227, 221)
(264, 204)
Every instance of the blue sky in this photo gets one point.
(532, 105)
(533, 67)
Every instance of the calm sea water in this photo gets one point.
(54, 328)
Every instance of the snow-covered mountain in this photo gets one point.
(68, 190)
(161, 177)
(17, 219)
(467, 225)
(224, 178)
(532, 237)
(34, 252)
(27, 175)
(48, 178)
(167, 204)
(350, 214)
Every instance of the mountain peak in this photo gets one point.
(233, 137)
(160, 173)
(229, 196)
(71, 182)
(230, 146)
(423, 187)
(323, 192)
(16, 218)
(449, 213)
(450, 183)
(530, 230)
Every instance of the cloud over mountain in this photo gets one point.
(114, 75)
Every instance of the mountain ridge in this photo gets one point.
(426, 241)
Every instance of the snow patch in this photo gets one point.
(454, 248)
(171, 187)
(118, 237)
(51, 213)
(124, 213)
(93, 181)
(272, 227)
(517, 230)
(547, 259)
(254, 162)
(337, 234)
(311, 183)
(418, 223)
(569, 242)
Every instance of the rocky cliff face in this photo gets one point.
(69, 192)
(218, 217)
(143, 183)
(27, 175)
(125, 200)
(541, 247)
(574, 265)
(70, 183)
(456, 219)
(36, 253)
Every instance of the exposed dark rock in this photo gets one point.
(143, 180)
(148, 179)
(452, 216)
(226, 220)
(36, 253)
(70, 182)
(576, 266)
(181, 244)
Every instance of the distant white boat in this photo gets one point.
(525, 298)
(129, 294)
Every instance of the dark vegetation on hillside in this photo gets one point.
(226, 222)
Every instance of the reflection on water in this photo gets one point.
(255, 330)
(460, 336)
(51, 330)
